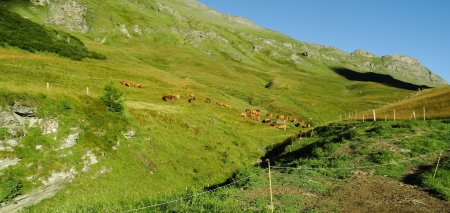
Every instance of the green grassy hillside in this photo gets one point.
(175, 47)
(311, 174)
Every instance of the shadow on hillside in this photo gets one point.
(376, 78)
(274, 154)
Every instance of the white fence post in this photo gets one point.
(374, 115)
(424, 114)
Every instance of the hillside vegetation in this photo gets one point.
(435, 102)
(20, 32)
(94, 159)
(312, 174)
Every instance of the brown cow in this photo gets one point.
(227, 106)
(125, 83)
(243, 114)
(207, 100)
(220, 103)
(255, 117)
(280, 117)
(137, 85)
(191, 95)
(190, 100)
(283, 127)
(169, 98)
(269, 115)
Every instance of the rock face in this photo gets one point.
(69, 14)
(24, 110)
(360, 52)
(40, 2)
(400, 67)
(404, 67)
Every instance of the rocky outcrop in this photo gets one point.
(40, 2)
(24, 110)
(69, 14)
(404, 67)
(360, 52)
(124, 31)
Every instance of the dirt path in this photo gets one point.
(368, 193)
(34, 197)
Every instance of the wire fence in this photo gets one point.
(197, 194)
(281, 168)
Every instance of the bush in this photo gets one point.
(9, 188)
(112, 98)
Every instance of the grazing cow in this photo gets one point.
(220, 103)
(243, 114)
(273, 123)
(227, 106)
(248, 110)
(255, 117)
(169, 98)
(125, 83)
(269, 115)
(207, 100)
(190, 100)
(280, 117)
(283, 127)
(137, 85)
(191, 95)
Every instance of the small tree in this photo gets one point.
(112, 98)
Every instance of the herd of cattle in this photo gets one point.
(129, 84)
(280, 121)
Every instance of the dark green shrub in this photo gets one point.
(9, 188)
(112, 97)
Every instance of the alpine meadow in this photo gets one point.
(170, 106)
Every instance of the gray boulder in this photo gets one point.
(24, 110)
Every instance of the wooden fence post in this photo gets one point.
(394, 114)
(270, 187)
(48, 86)
(87, 91)
(414, 115)
(374, 116)
(437, 165)
(424, 113)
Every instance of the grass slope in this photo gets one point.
(435, 101)
(178, 144)
(312, 171)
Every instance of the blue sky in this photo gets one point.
(417, 28)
